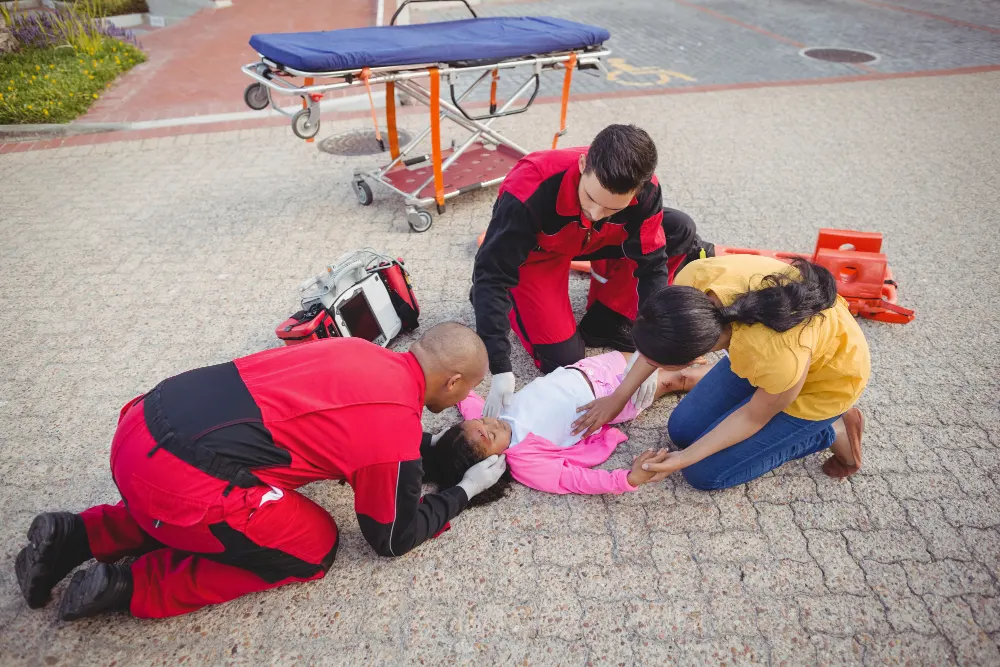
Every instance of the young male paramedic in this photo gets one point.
(601, 203)
(207, 463)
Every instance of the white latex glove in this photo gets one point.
(483, 475)
(644, 395)
(501, 393)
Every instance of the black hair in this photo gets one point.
(623, 157)
(446, 462)
(678, 324)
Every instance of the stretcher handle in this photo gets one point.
(392, 21)
(510, 112)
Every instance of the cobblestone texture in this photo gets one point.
(123, 263)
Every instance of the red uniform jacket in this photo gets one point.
(538, 213)
(341, 408)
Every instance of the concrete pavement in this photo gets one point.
(122, 263)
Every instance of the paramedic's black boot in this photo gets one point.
(603, 327)
(57, 542)
(104, 587)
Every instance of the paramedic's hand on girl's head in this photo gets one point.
(646, 393)
(598, 413)
(501, 393)
(483, 475)
(638, 476)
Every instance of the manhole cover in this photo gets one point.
(840, 55)
(360, 142)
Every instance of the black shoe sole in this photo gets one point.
(35, 562)
(88, 594)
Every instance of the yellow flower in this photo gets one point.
(28, 105)
(46, 76)
(81, 62)
(91, 77)
(1, 96)
(52, 66)
(86, 71)
(38, 67)
(95, 96)
(93, 63)
(45, 112)
(71, 94)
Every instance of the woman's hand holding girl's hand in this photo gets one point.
(660, 469)
(598, 413)
(638, 476)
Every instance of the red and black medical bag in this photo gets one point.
(315, 322)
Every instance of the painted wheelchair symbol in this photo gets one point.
(630, 75)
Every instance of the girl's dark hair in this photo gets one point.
(446, 462)
(678, 324)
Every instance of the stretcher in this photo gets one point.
(405, 58)
(855, 259)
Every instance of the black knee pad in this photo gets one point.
(553, 355)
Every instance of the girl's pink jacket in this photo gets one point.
(540, 464)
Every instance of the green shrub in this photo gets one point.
(101, 8)
(58, 84)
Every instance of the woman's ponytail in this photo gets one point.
(783, 302)
(678, 324)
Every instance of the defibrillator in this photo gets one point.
(365, 294)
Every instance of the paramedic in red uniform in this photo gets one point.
(602, 204)
(207, 463)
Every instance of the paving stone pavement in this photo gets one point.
(123, 263)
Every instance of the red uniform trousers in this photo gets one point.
(196, 546)
(542, 313)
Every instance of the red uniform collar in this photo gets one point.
(417, 372)
(568, 199)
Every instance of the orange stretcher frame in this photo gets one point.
(854, 258)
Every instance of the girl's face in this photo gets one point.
(492, 436)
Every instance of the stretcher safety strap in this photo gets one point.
(567, 81)
(493, 91)
(390, 118)
(436, 135)
(365, 75)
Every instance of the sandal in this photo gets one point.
(854, 423)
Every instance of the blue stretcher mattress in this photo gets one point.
(489, 39)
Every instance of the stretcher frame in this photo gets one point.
(272, 78)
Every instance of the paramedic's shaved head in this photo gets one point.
(454, 361)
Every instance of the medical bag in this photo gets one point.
(365, 294)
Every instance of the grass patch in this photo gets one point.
(113, 7)
(57, 84)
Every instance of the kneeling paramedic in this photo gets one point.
(602, 204)
(207, 463)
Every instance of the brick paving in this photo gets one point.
(121, 263)
(194, 66)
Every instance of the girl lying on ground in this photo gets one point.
(535, 431)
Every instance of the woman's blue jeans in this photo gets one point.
(782, 439)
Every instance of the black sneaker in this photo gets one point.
(603, 327)
(104, 587)
(57, 542)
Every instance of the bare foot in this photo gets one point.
(846, 447)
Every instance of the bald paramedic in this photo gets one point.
(208, 461)
(601, 203)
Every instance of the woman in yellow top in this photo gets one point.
(797, 364)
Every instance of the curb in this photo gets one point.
(27, 132)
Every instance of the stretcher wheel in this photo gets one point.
(301, 126)
(256, 96)
(419, 221)
(363, 192)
